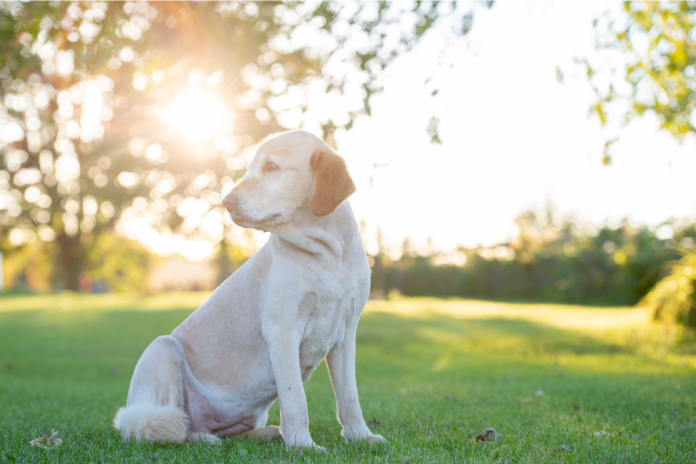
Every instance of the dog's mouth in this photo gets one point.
(241, 220)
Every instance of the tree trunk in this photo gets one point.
(224, 264)
(378, 278)
(379, 281)
(71, 262)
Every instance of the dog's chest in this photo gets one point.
(328, 323)
(331, 298)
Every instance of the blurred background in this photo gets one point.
(531, 151)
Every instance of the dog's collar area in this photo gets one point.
(314, 240)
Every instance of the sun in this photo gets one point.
(196, 115)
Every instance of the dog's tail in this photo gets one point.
(151, 422)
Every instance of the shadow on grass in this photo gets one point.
(491, 334)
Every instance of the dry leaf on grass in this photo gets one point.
(526, 400)
(487, 435)
(47, 442)
(601, 433)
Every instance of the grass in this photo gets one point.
(432, 375)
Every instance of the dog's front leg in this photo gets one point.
(284, 348)
(341, 363)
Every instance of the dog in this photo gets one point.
(265, 329)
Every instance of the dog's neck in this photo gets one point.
(327, 238)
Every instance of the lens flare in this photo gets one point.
(196, 115)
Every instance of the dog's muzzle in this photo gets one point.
(231, 204)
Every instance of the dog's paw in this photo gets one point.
(204, 438)
(305, 446)
(366, 438)
(376, 439)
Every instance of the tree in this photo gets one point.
(656, 44)
(89, 91)
(672, 298)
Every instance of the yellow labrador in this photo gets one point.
(262, 333)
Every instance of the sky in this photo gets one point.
(513, 137)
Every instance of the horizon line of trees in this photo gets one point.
(550, 260)
(562, 263)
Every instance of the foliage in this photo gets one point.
(656, 46)
(83, 87)
(490, 356)
(673, 299)
(114, 263)
(29, 269)
(119, 264)
(547, 262)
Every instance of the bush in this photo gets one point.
(672, 299)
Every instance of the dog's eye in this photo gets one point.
(271, 167)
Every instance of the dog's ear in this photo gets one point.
(332, 183)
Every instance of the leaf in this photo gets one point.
(46, 441)
(432, 130)
(467, 23)
(606, 156)
(488, 435)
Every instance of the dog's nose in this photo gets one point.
(230, 202)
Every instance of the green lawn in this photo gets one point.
(432, 375)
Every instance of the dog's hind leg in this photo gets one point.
(155, 409)
(267, 433)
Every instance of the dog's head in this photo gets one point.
(289, 171)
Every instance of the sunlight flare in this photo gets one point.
(197, 115)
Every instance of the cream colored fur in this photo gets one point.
(149, 422)
(263, 331)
